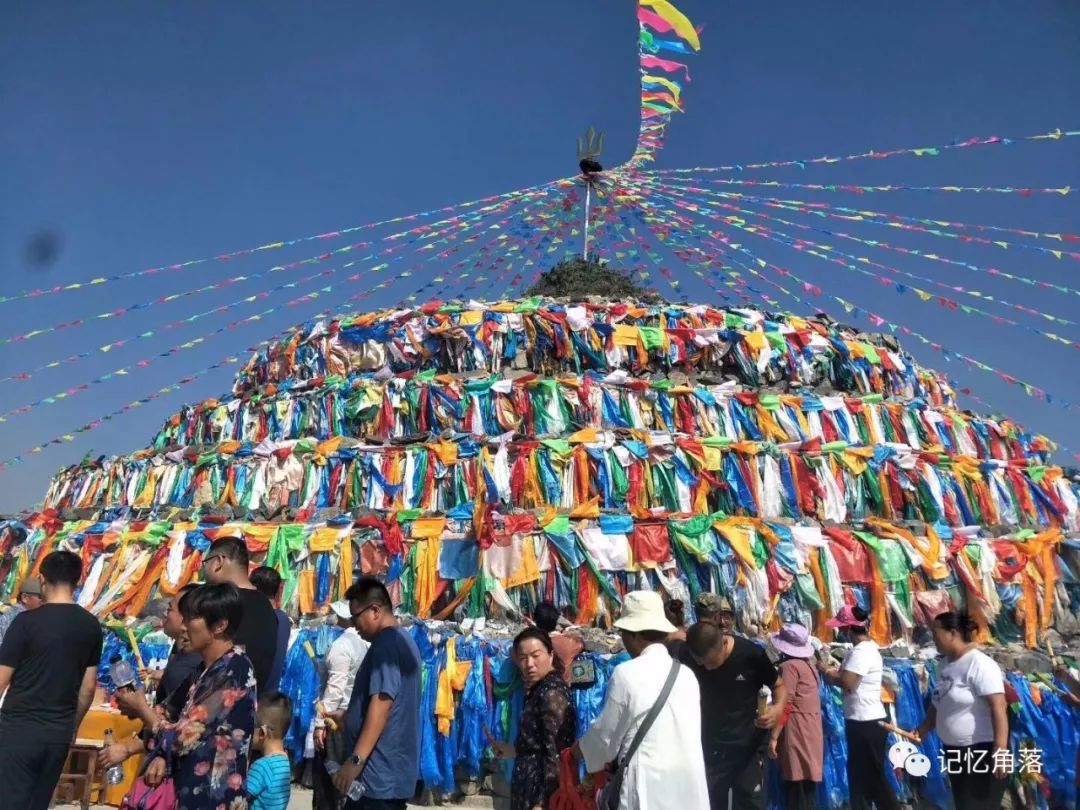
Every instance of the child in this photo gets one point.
(269, 778)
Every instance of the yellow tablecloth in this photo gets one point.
(93, 728)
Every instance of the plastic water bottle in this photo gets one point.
(763, 701)
(114, 774)
(356, 790)
(121, 672)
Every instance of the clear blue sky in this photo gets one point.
(146, 134)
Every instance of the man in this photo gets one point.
(667, 769)
(546, 617)
(267, 581)
(731, 671)
(342, 663)
(711, 608)
(715, 609)
(29, 599)
(49, 660)
(227, 561)
(382, 723)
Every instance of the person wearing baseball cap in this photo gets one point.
(29, 598)
(859, 677)
(666, 768)
(715, 609)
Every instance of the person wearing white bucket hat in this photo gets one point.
(343, 659)
(650, 726)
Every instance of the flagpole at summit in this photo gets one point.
(588, 200)
(588, 149)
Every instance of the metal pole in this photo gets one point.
(588, 200)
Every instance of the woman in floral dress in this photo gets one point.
(548, 722)
(206, 750)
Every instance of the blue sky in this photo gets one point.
(147, 134)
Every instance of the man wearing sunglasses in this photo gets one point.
(227, 561)
(382, 723)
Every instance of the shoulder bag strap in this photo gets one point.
(650, 718)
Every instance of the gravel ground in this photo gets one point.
(301, 800)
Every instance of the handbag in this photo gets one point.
(569, 795)
(608, 798)
(143, 797)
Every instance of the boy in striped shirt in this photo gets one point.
(269, 780)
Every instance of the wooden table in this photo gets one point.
(91, 735)
(76, 782)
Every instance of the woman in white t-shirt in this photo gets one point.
(859, 677)
(969, 714)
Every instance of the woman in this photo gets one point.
(967, 709)
(860, 679)
(206, 749)
(547, 725)
(797, 742)
(173, 686)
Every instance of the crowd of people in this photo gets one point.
(213, 733)
(688, 720)
(691, 717)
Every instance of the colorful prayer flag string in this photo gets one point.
(895, 220)
(879, 321)
(860, 261)
(420, 233)
(1062, 191)
(68, 393)
(92, 282)
(919, 151)
(661, 27)
(663, 218)
(855, 264)
(508, 243)
(886, 220)
(546, 226)
(428, 235)
(230, 360)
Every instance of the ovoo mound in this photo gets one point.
(483, 456)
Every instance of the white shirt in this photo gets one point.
(342, 661)
(668, 769)
(963, 713)
(864, 701)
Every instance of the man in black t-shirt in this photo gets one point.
(48, 665)
(731, 672)
(268, 582)
(227, 561)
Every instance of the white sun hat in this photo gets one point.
(643, 610)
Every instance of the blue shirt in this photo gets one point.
(391, 667)
(269, 783)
